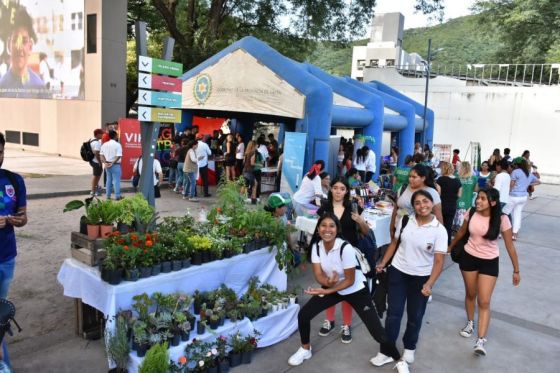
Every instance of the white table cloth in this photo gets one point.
(84, 282)
(379, 224)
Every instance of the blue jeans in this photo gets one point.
(114, 175)
(403, 288)
(189, 184)
(180, 177)
(172, 173)
(6, 276)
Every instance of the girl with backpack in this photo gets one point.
(335, 270)
(479, 263)
(416, 254)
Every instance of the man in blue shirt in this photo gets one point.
(13, 213)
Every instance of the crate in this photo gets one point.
(90, 322)
(86, 250)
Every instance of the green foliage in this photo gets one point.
(117, 345)
(93, 212)
(108, 212)
(156, 360)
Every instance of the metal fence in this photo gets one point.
(520, 75)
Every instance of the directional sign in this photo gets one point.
(156, 66)
(161, 83)
(149, 114)
(165, 99)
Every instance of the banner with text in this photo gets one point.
(294, 156)
(131, 142)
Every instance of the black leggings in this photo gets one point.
(361, 303)
(448, 217)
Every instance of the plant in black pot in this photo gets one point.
(214, 321)
(140, 338)
(249, 345)
(111, 272)
(236, 346)
(117, 345)
(201, 327)
(222, 357)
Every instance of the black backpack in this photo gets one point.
(86, 152)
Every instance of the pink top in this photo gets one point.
(478, 246)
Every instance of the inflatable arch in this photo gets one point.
(250, 81)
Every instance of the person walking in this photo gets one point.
(111, 154)
(248, 171)
(334, 268)
(419, 178)
(502, 181)
(203, 152)
(469, 186)
(484, 175)
(479, 263)
(451, 190)
(13, 214)
(533, 169)
(494, 159)
(180, 155)
(417, 248)
(229, 158)
(190, 169)
(521, 179)
(351, 222)
(95, 163)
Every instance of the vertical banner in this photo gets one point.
(332, 164)
(292, 166)
(131, 142)
(442, 152)
(475, 155)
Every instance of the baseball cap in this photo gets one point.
(276, 200)
(518, 160)
(199, 136)
(98, 131)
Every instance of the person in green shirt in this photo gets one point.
(469, 185)
(400, 176)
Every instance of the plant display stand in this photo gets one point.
(86, 250)
(90, 322)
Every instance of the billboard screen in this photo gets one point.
(42, 49)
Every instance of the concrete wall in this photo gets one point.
(516, 117)
(63, 125)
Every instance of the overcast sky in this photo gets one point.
(453, 9)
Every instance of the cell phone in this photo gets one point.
(355, 207)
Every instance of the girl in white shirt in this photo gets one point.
(334, 267)
(310, 187)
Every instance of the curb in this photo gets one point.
(69, 193)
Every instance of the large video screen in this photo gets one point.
(42, 49)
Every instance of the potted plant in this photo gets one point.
(117, 346)
(77, 204)
(124, 214)
(130, 259)
(93, 218)
(140, 339)
(201, 327)
(111, 272)
(108, 211)
(233, 315)
(156, 360)
(249, 345)
(214, 321)
(236, 344)
(223, 352)
(201, 249)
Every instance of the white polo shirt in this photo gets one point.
(111, 150)
(332, 262)
(203, 150)
(156, 168)
(308, 190)
(415, 254)
(502, 184)
(95, 147)
(370, 161)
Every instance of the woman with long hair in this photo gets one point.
(248, 171)
(415, 268)
(334, 268)
(521, 179)
(190, 168)
(479, 263)
(360, 162)
(419, 178)
(339, 204)
(469, 186)
(239, 154)
(494, 159)
(310, 189)
(229, 158)
(451, 190)
(484, 175)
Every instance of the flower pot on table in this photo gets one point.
(214, 324)
(223, 366)
(205, 256)
(132, 274)
(83, 225)
(176, 265)
(93, 231)
(196, 258)
(145, 272)
(246, 357)
(185, 336)
(166, 266)
(141, 351)
(113, 276)
(234, 359)
(176, 339)
(200, 328)
(186, 263)
(156, 269)
(105, 230)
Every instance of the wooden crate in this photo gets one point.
(86, 250)
(90, 322)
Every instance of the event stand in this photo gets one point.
(84, 282)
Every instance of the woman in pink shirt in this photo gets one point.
(479, 262)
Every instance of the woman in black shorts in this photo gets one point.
(479, 262)
(229, 158)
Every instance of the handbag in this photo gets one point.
(458, 249)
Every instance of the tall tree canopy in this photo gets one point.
(529, 30)
(201, 28)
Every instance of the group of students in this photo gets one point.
(422, 234)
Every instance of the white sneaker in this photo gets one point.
(381, 359)
(479, 347)
(300, 356)
(402, 367)
(467, 330)
(408, 356)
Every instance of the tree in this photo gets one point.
(201, 28)
(528, 30)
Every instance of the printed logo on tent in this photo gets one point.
(10, 191)
(202, 88)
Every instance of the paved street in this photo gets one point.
(524, 333)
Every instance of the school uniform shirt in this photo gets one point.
(95, 147)
(501, 184)
(370, 161)
(240, 151)
(332, 262)
(308, 190)
(360, 163)
(111, 150)
(203, 150)
(478, 246)
(419, 243)
(156, 168)
(404, 205)
(8, 206)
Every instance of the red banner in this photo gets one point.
(131, 142)
(164, 83)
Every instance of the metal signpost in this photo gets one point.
(151, 117)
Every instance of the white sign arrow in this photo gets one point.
(145, 64)
(144, 81)
(144, 114)
(144, 97)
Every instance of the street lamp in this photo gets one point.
(427, 65)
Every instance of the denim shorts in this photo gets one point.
(6, 276)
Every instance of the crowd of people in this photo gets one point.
(436, 207)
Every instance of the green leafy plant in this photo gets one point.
(108, 212)
(117, 346)
(156, 360)
(93, 212)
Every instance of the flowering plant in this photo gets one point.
(133, 250)
(201, 355)
(251, 341)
